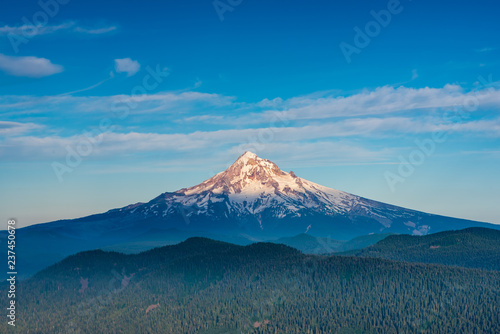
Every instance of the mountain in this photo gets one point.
(254, 197)
(472, 248)
(253, 200)
(207, 286)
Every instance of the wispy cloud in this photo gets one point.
(487, 49)
(127, 65)
(383, 100)
(414, 74)
(95, 31)
(380, 101)
(30, 30)
(226, 111)
(488, 153)
(16, 128)
(32, 67)
(151, 105)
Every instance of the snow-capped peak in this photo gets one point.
(248, 174)
(251, 179)
(248, 155)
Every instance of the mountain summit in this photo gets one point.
(249, 175)
(252, 185)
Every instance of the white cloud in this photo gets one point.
(414, 74)
(16, 128)
(30, 30)
(95, 31)
(159, 104)
(32, 67)
(127, 65)
(487, 49)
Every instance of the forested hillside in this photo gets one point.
(205, 286)
(472, 248)
(309, 244)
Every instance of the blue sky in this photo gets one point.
(103, 105)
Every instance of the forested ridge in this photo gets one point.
(473, 247)
(206, 286)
